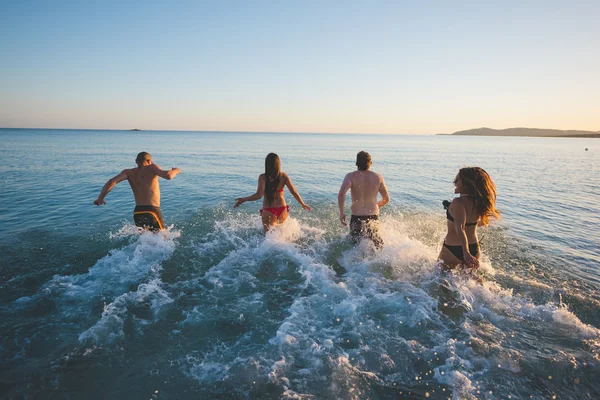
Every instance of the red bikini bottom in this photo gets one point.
(276, 211)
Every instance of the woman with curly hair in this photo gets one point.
(271, 186)
(475, 206)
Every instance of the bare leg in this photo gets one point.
(270, 220)
(448, 259)
(282, 217)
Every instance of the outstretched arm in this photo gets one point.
(172, 173)
(385, 196)
(460, 219)
(108, 187)
(260, 191)
(294, 192)
(342, 197)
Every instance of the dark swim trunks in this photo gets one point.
(148, 217)
(365, 226)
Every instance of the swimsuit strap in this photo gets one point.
(449, 216)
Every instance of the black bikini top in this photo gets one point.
(446, 204)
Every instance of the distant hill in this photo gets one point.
(528, 132)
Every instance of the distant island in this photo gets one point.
(528, 132)
(136, 129)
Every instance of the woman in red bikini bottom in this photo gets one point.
(475, 206)
(271, 186)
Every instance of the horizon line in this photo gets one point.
(226, 131)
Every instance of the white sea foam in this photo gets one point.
(109, 280)
(500, 304)
(115, 272)
(121, 268)
(110, 326)
(377, 324)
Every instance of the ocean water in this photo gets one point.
(212, 308)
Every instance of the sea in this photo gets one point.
(212, 308)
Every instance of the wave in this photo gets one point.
(301, 313)
(66, 304)
(357, 322)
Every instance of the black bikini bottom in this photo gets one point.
(458, 252)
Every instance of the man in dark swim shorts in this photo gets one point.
(364, 186)
(149, 217)
(144, 184)
(365, 226)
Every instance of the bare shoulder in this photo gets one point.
(348, 178)
(155, 168)
(463, 202)
(376, 175)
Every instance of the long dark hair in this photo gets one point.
(482, 189)
(272, 175)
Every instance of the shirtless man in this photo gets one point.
(364, 186)
(144, 184)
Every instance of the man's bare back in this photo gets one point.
(144, 183)
(364, 185)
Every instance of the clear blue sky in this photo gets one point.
(306, 66)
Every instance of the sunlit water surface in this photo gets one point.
(212, 308)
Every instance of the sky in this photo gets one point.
(300, 66)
